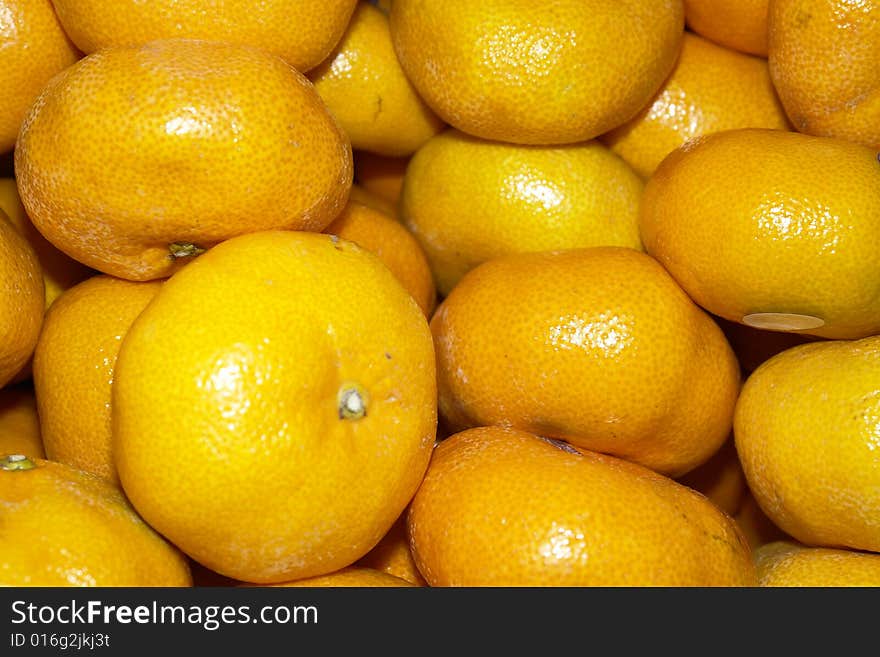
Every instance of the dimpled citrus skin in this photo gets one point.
(721, 479)
(790, 564)
(64, 527)
(796, 231)
(33, 48)
(598, 347)
(302, 32)
(380, 175)
(19, 422)
(267, 332)
(500, 507)
(520, 71)
(59, 271)
(179, 141)
(22, 300)
(73, 368)
(393, 555)
(393, 244)
(350, 577)
(367, 91)
(806, 433)
(824, 59)
(737, 24)
(711, 88)
(468, 200)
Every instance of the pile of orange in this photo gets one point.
(440, 293)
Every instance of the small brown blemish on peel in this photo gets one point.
(783, 321)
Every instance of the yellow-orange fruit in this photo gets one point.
(790, 564)
(303, 32)
(64, 527)
(303, 386)
(468, 200)
(74, 368)
(20, 423)
(33, 48)
(824, 58)
(514, 71)
(360, 195)
(755, 525)
(721, 479)
(380, 175)
(393, 555)
(500, 507)
(351, 577)
(22, 300)
(135, 159)
(737, 24)
(396, 247)
(806, 434)
(789, 244)
(59, 271)
(367, 91)
(599, 347)
(711, 88)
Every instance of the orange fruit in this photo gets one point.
(468, 200)
(500, 507)
(824, 56)
(303, 32)
(22, 300)
(33, 48)
(393, 244)
(710, 89)
(790, 564)
(367, 91)
(360, 195)
(510, 70)
(380, 175)
(169, 148)
(305, 374)
(598, 347)
(19, 422)
(350, 577)
(755, 525)
(787, 245)
(59, 271)
(393, 555)
(806, 433)
(737, 24)
(64, 527)
(74, 368)
(721, 479)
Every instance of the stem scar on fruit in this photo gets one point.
(178, 250)
(782, 321)
(351, 402)
(14, 462)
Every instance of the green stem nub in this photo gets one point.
(180, 250)
(352, 402)
(14, 462)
